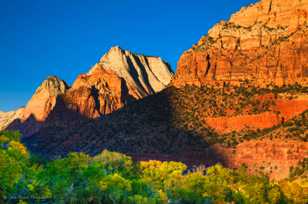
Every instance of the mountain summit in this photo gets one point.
(45, 97)
(143, 75)
(118, 78)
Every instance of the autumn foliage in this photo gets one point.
(111, 177)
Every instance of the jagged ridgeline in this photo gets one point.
(118, 78)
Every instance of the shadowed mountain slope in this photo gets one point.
(171, 125)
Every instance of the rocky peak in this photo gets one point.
(265, 43)
(53, 85)
(98, 93)
(144, 75)
(44, 98)
(6, 118)
(120, 76)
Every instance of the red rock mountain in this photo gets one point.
(266, 43)
(118, 78)
(263, 44)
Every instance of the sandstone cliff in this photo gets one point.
(266, 43)
(282, 110)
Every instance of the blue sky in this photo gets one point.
(39, 38)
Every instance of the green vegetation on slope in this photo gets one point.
(190, 105)
(111, 177)
(211, 101)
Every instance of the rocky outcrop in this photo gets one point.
(6, 118)
(28, 119)
(245, 122)
(98, 93)
(282, 111)
(44, 98)
(271, 157)
(265, 43)
(144, 75)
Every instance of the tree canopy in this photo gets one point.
(112, 177)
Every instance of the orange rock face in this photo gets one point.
(273, 157)
(239, 123)
(266, 43)
(44, 99)
(97, 94)
(283, 110)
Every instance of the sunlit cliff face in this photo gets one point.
(265, 43)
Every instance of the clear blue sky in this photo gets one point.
(39, 38)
